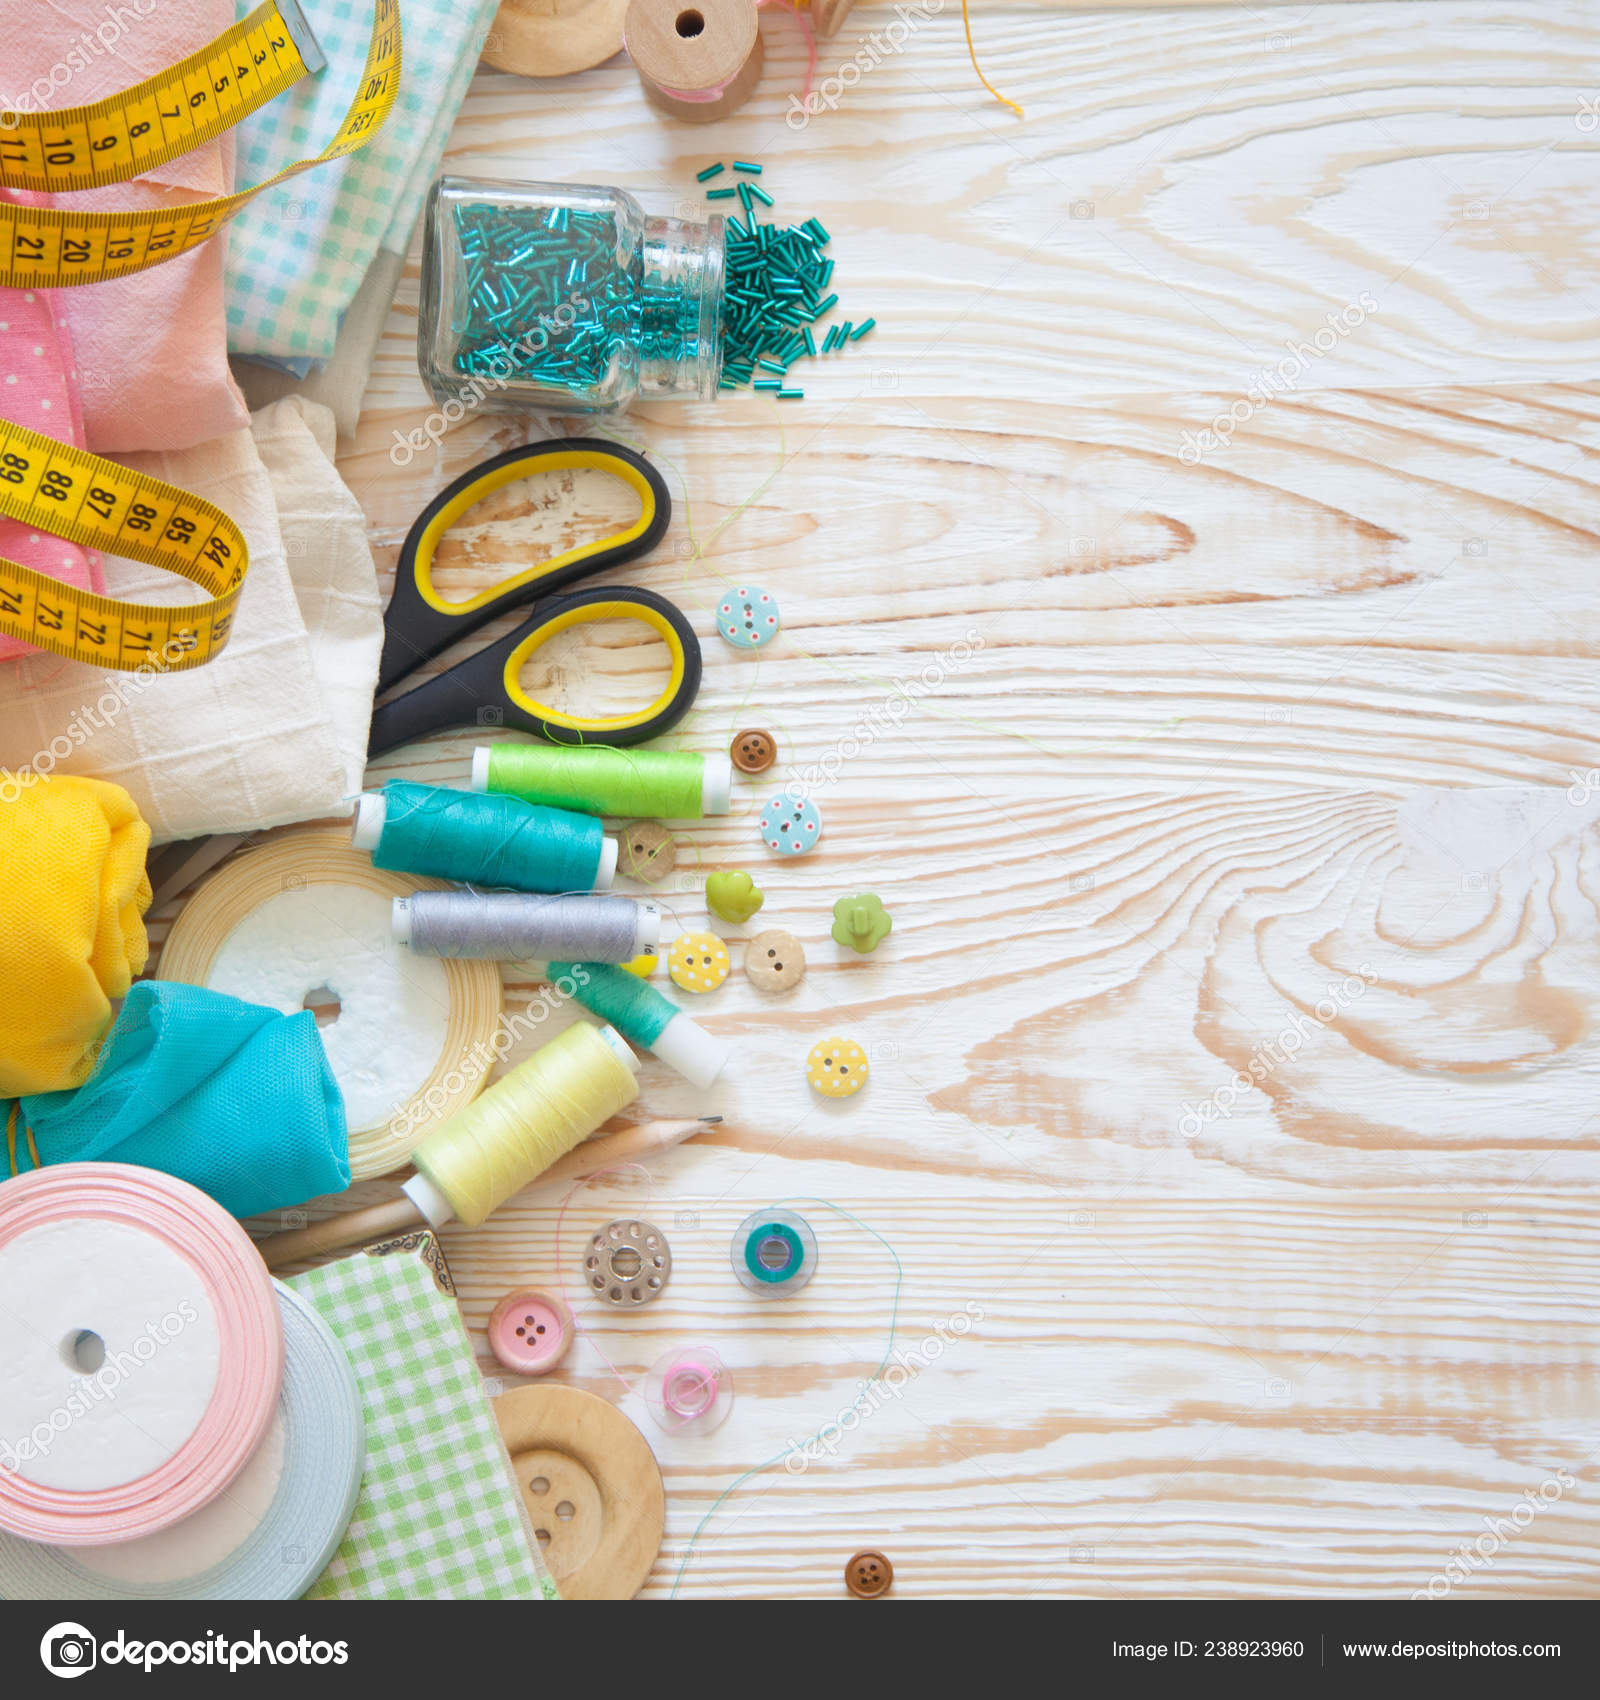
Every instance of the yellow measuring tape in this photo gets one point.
(76, 495)
(99, 504)
(54, 247)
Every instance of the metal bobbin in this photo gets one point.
(628, 1263)
(773, 1252)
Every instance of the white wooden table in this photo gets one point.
(1234, 1053)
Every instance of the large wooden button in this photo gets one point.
(774, 961)
(591, 1487)
(648, 852)
(753, 750)
(868, 1575)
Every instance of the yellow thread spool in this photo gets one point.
(522, 1124)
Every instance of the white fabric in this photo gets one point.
(275, 729)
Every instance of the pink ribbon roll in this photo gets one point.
(141, 1352)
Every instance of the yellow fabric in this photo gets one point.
(73, 892)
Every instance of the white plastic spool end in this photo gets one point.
(716, 784)
(433, 1204)
(480, 768)
(371, 812)
(607, 871)
(620, 1045)
(687, 1048)
(401, 919)
(647, 939)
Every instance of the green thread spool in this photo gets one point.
(521, 1125)
(644, 1017)
(492, 841)
(655, 784)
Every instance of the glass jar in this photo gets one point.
(565, 298)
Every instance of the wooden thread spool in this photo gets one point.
(697, 59)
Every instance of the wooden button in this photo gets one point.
(774, 961)
(868, 1575)
(754, 751)
(591, 1487)
(648, 852)
(530, 1332)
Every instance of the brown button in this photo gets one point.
(754, 751)
(774, 961)
(648, 852)
(868, 1575)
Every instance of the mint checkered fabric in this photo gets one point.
(297, 254)
(439, 1517)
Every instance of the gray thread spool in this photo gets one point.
(517, 927)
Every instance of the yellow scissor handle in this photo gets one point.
(420, 622)
(662, 617)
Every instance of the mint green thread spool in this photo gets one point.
(650, 784)
(645, 1018)
(492, 841)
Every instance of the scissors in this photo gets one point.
(485, 689)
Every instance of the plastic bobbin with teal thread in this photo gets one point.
(774, 1252)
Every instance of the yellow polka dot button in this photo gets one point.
(698, 962)
(837, 1068)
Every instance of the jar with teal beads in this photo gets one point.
(565, 298)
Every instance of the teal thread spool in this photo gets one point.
(493, 841)
(649, 784)
(774, 1252)
(565, 298)
(645, 1018)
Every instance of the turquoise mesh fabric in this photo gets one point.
(233, 1098)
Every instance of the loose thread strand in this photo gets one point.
(972, 53)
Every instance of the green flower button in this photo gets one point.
(733, 896)
(861, 922)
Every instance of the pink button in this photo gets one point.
(530, 1331)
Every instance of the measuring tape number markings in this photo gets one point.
(79, 496)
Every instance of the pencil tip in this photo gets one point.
(711, 1118)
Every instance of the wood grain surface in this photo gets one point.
(1233, 1113)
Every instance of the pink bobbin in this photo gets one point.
(530, 1331)
(690, 1391)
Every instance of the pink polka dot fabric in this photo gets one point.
(39, 389)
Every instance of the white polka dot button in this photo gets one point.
(790, 825)
(748, 617)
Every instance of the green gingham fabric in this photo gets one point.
(297, 254)
(439, 1517)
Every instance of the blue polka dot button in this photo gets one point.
(790, 825)
(748, 617)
